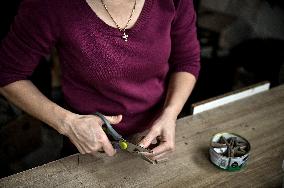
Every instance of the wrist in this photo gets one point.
(170, 112)
(64, 120)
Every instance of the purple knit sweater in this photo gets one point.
(100, 71)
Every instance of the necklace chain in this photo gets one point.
(124, 35)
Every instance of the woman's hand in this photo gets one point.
(179, 89)
(163, 130)
(86, 133)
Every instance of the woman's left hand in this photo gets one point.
(163, 129)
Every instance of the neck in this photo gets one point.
(118, 2)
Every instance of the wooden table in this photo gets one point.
(259, 118)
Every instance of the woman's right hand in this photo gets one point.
(86, 133)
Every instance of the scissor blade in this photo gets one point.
(138, 151)
(147, 158)
(133, 148)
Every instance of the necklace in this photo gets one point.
(122, 30)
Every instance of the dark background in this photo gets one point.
(241, 43)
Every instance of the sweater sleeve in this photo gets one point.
(30, 38)
(185, 52)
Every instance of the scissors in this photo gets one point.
(122, 144)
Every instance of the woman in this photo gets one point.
(136, 61)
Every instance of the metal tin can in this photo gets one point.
(219, 155)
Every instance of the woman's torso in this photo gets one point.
(102, 72)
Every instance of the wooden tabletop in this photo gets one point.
(260, 119)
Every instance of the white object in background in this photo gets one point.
(230, 97)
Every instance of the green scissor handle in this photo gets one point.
(123, 144)
(110, 130)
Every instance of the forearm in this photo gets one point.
(179, 89)
(27, 97)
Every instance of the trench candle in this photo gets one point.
(229, 151)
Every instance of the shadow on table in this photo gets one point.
(201, 157)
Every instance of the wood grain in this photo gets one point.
(260, 119)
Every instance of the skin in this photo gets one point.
(119, 9)
(85, 131)
(180, 87)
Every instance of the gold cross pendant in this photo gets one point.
(125, 36)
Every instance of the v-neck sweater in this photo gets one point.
(99, 70)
